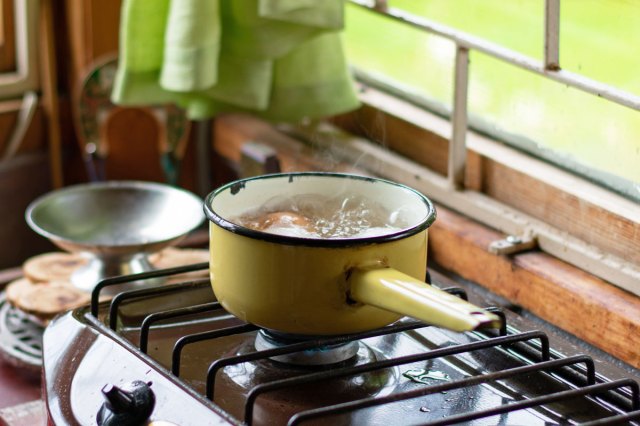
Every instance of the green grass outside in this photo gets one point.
(599, 39)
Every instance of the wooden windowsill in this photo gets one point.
(579, 303)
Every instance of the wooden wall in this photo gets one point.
(83, 30)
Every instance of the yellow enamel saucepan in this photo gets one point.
(313, 286)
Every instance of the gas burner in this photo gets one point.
(20, 337)
(325, 355)
(235, 382)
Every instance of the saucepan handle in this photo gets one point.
(395, 291)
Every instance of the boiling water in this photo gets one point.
(315, 216)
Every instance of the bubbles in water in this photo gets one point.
(314, 216)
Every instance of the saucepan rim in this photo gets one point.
(238, 185)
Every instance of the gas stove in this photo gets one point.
(171, 355)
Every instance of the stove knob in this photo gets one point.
(129, 405)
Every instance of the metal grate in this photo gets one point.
(20, 337)
(531, 348)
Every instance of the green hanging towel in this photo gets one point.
(278, 59)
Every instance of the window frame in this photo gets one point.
(549, 68)
(602, 242)
(7, 36)
(24, 77)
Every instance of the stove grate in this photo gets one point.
(151, 319)
(620, 419)
(297, 347)
(590, 389)
(588, 384)
(159, 273)
(436, 353)
(20, 337)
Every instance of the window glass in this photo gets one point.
(576, 130)
(599, 39)
(588, 134)
(515, 24)
(391, 49)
